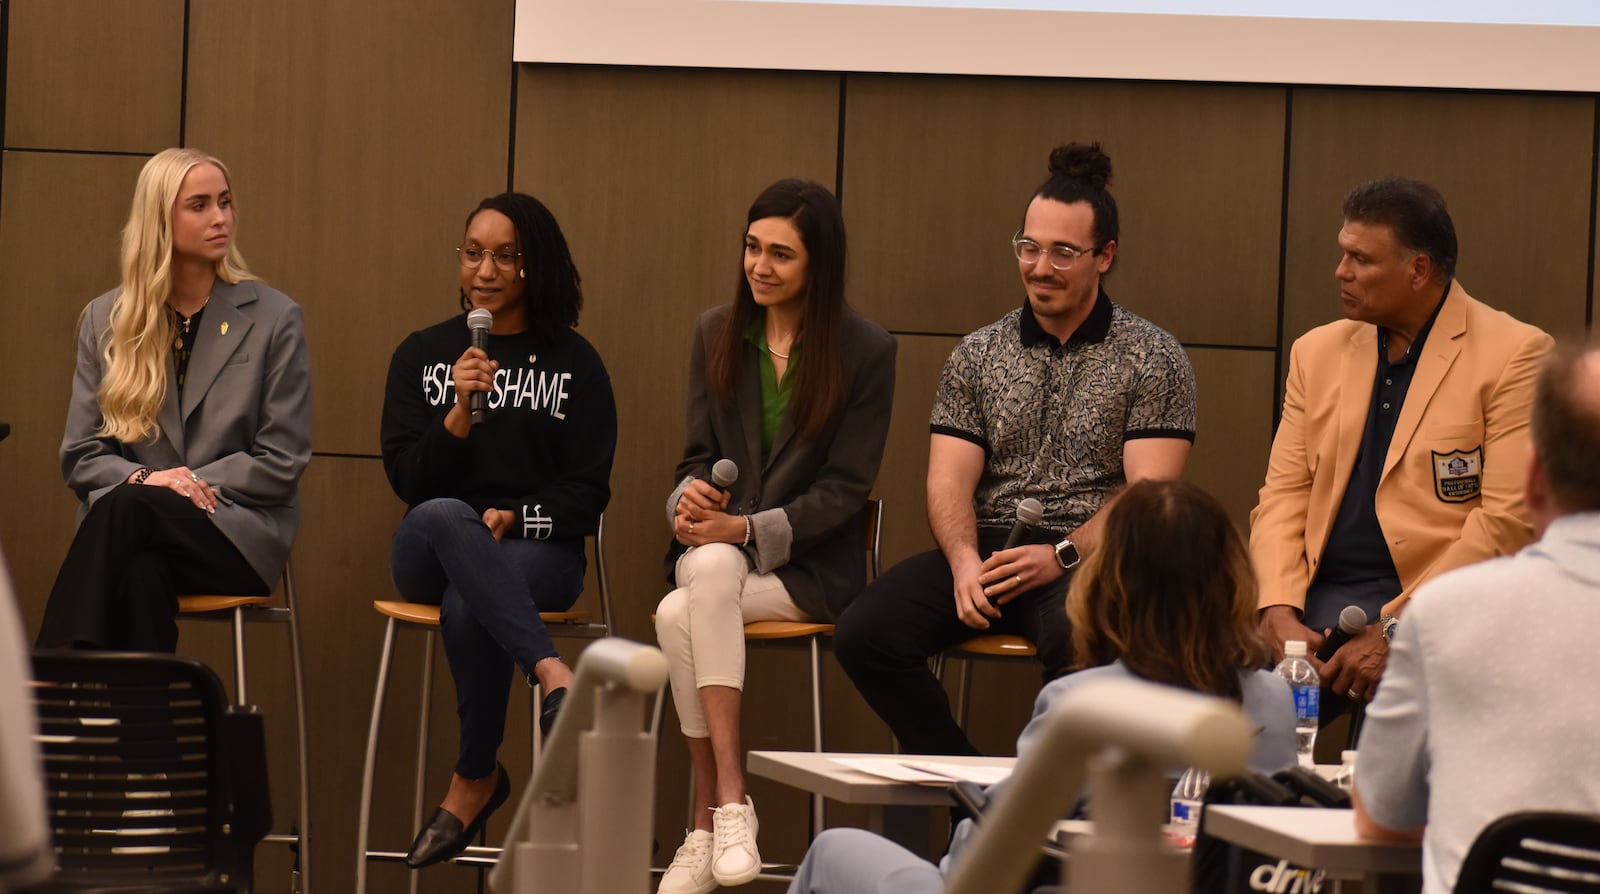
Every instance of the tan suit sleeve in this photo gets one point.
(1278, 523)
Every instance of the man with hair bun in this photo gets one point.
(1446, 744)
(1063, 400)
(1400, 449)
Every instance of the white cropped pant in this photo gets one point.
(700, 625)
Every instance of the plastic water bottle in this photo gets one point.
(1303, 682)
(1187, 796)
(1347, 771)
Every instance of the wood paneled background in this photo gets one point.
(360, 134)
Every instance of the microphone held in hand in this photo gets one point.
(1351, 620)
(1030, 512)
(724, 472)
(478, 323)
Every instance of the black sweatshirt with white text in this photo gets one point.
(544, 450)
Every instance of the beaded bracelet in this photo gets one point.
(748, 530)
(141, 475)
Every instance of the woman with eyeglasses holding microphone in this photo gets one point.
(502, 452)
(793, 388)
(189, 425)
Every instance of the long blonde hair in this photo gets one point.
(142, 326)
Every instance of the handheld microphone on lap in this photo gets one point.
(724, 472)
(1351, 621)
(478, 323)
(1030, 512)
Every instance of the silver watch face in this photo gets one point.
(1067, 555)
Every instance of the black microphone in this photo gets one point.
(724, 472)
(1029, 513)
(1351, 620)
(478, 323)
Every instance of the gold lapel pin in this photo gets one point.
(224, 328)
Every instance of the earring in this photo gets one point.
(522, 274)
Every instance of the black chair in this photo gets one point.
(154, 782)
(1535, 851)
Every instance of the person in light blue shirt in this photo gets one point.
(1455, 743)
(1169, 598)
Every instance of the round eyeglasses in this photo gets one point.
(471, 256)
(1061, 256)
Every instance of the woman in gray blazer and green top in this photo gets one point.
(795, 388)
(190, 421)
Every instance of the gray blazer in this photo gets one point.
(805, 504)
(244, 424)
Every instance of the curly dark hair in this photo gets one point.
(551, 290)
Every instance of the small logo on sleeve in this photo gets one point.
(1458, 475)
(535, 524)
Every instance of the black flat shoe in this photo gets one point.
(444, 837)
(551, 710)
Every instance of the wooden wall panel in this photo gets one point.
(93, 76)
(903, 477)
(59, 242)
(1515, 170)
(1235, 428)
(938, 171)
(650, 173)
(360, 135)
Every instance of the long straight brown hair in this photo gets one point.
(1170, 592)
(819, 381)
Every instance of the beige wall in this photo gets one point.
(361, 132)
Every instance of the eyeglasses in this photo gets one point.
(1062, 257)
(472, 256)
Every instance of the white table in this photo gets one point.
(898, 811)
(1321, 838)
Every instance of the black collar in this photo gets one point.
(1092, 330)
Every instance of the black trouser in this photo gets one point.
(886, 636)
(138, 547)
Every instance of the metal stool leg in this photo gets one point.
(364, 817)
(303, 859)
(817, 824)
(425, 709)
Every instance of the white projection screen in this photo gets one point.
(1476, 44)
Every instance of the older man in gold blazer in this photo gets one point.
(1403, 440)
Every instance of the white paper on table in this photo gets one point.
(923, 772)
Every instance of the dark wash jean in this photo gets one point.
(489, 595)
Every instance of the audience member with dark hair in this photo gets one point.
(1168, 597)
(1403, 428)
(498, 510)
(190, 421)
(1446, 744)
(794, 388)
(1063, 401)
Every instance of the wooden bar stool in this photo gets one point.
(419, 616)
(242, 610)
(994, 646)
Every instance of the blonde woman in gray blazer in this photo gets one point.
(190, 421)
(795, 389)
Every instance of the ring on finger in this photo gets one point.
(1017, 578)
(1353, 693)
(691, 527)
(193, 477)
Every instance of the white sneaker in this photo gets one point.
(690, 869)
(734, 859)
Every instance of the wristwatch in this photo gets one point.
(1067, 554)
(1389, 623)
